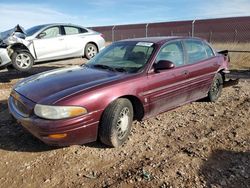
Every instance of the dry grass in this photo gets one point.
(238, 60)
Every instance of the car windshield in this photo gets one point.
(33, 30)
(127, 56)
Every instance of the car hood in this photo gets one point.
(12, 35)
(51, 86)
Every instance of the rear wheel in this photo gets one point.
(90, 50)
(22, 60)
(116, 123)
(216, 88)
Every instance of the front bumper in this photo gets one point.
(78, 130)
(4, 57)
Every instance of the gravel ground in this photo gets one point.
(198, 145)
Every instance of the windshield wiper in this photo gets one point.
(120, 69)
(115, 69)
(104, 67)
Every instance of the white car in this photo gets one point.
(47, 42)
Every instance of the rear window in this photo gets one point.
(196, 51)
(70, 30)
(209, 51)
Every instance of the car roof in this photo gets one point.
(161, 39)
(57, 24)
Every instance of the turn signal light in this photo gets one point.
(57, 136)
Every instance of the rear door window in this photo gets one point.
(196, 51)
(71, 30)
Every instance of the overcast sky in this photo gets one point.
(109, 12)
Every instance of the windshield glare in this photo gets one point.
(33, 30)
(123, 56)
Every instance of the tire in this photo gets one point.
(216, 88)
(116, 122)
(10, 68)
(22, 60)
(90, 50)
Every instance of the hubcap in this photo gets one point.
(91, 51)
(123, 122)
(23, 60)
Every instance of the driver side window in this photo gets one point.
(172, 52)
(51, 32)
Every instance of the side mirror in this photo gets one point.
(41, 35)
(163, 65)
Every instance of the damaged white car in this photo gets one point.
(22, 48)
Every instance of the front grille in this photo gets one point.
(20, 108)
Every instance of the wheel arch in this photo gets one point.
(18, 46)
(94, 43)
(221, 71)
(137, 106)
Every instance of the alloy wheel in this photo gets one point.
(23, 60)
(123, 123)
(91, 51)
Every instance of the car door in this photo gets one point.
(50, 44)
(202, 67)
(74, 40)
(167, 89)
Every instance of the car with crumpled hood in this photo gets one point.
(22, 48)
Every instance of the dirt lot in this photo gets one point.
(198, 145)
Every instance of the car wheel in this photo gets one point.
(22, 60)
(216, 88)
(90, 50)
(116, 123)
(10, 68)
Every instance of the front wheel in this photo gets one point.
(215, 88)
(116, 123)
(22, 60)
(90, 50)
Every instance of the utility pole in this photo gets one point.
(147, 30)
(113, 33)
(193, 28)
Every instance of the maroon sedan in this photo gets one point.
(129, 80)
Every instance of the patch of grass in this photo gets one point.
(238, 60)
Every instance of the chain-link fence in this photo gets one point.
(224, 33)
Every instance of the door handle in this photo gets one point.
(61, 38)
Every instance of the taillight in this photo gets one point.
(102, 35)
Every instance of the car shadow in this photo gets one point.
(97, 144)
(227, 169)
(8, 75)
(14, 138)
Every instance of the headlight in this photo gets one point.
(58, 112)
(11, 40)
